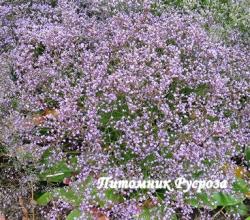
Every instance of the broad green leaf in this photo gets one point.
(201, 200)
(68, 195)
(174, 217)
(73, 215)
(56, 173)
(113, 196)
(247, 154)
(227, 113)
(128, 155)
(241, 186)
(44, 199)
(45, 156)
(120, 109)
(146, 164)
(112, 66)
(193, 202)
(186, 90)
(44, 131)
(197, 174)
(223, 199)
(145, 214)
(94, 194)
(202, 89)
(204, 199)
(212, 118)
(151, 213)
(39, 50)
(241, 209)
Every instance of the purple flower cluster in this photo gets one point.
(132, 94)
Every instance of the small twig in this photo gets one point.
(32, 201)
(217, 213)
(24, 210)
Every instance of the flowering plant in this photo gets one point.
(112, 89)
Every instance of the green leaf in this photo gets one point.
(51, 103)
(113, 196)
(193, 202)
(120, 109)
(146, 164)
(39, 50)
(14, 103)
(113, 65)
(204, 199)
(212, 118)
(145, 214)
(223, 199)
(241, 186)
(151, 213)
(68, 195)
(45, 156)
(111, 135)
(227, 113)
(44, 131)
(247, 154)
(202, 89)
(56, 173)
(94, 194)
(171, 42)
(186, 90)
(74, 214)
(80, 101)
(44, 199)
(241, 209)
(201, 200)
(248, 218)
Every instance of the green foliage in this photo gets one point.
(39, 50)
(202, 89)
(44, 131)
(128, 155)
(229, 15)
(74, 214)
(44, 199)
(212, 118)
(247, 154)
(51, 103)
(241, 186)
(201, 200)
(45, 156)
(145, 214)
(56, 173)
(53, 3)
(112, 66)
(68, 195)
(119, 109)
(223, 199)
(146, 164)
(111, 134)
(14, 103)
(228, 113)
(150, 213)
(240, 208)
(113, 196)
(80, 101)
